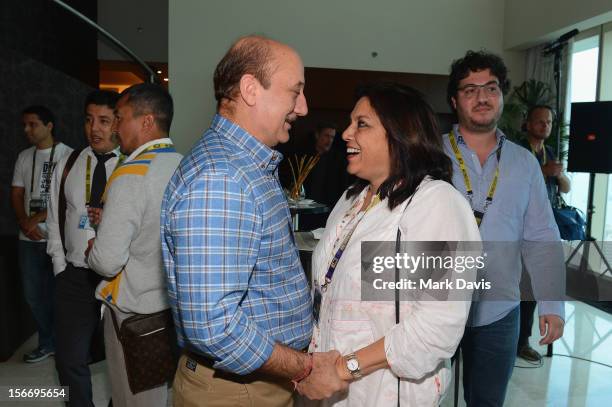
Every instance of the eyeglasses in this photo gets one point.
(491, 89)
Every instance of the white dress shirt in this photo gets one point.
(77, 229)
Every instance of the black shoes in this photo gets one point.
(529, 354)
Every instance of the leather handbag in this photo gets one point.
(149, 348)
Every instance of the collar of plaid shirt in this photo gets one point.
(268, 158)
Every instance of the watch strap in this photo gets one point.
(356, 373)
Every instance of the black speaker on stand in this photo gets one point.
(590, 150)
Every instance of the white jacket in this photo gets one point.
(419, 348)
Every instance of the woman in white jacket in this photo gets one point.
(395, 150)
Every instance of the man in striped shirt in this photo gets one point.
(240, 297)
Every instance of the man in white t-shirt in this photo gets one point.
(29, 197)
(77, 311)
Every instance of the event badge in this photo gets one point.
(84, 223)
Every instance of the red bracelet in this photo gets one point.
(305, 373)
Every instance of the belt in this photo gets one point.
(205, 361)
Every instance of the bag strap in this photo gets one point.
(117, 331)
(61, 210)
(398, 239)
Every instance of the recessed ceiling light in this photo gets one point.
(159, 71)
(165, 79)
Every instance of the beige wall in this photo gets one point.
(528, 22)
(409, 36)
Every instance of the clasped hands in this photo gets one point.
(329, 375)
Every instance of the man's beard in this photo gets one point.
(481, 127)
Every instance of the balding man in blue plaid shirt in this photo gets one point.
(240, 297)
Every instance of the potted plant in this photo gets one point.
(530, 93)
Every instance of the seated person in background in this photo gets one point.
(328, 178)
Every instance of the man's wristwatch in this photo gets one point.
(352, 364)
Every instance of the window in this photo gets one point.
(605, 90)
(583, 88)
(585, 60)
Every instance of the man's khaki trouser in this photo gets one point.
(198, 384)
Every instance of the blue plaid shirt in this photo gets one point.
(235, 282)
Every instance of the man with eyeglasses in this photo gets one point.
(511, 207)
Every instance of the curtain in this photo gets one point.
(541, 67)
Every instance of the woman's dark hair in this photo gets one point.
(415, 144)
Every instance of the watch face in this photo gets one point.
(352, 364)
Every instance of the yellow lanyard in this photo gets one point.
(536, 154)
(466, 178)
(88, 176)
(88, 181)
(155, 147)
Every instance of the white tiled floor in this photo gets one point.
(15, 372)
(559, 382)
(562, 381)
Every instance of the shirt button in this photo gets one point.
(262, 166)
(274, 156)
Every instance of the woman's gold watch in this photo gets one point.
(352, 364)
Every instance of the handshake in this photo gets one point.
(326, 375)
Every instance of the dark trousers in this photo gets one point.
(489, 353)
(527, 310)
(38, 288)
(77, 314)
